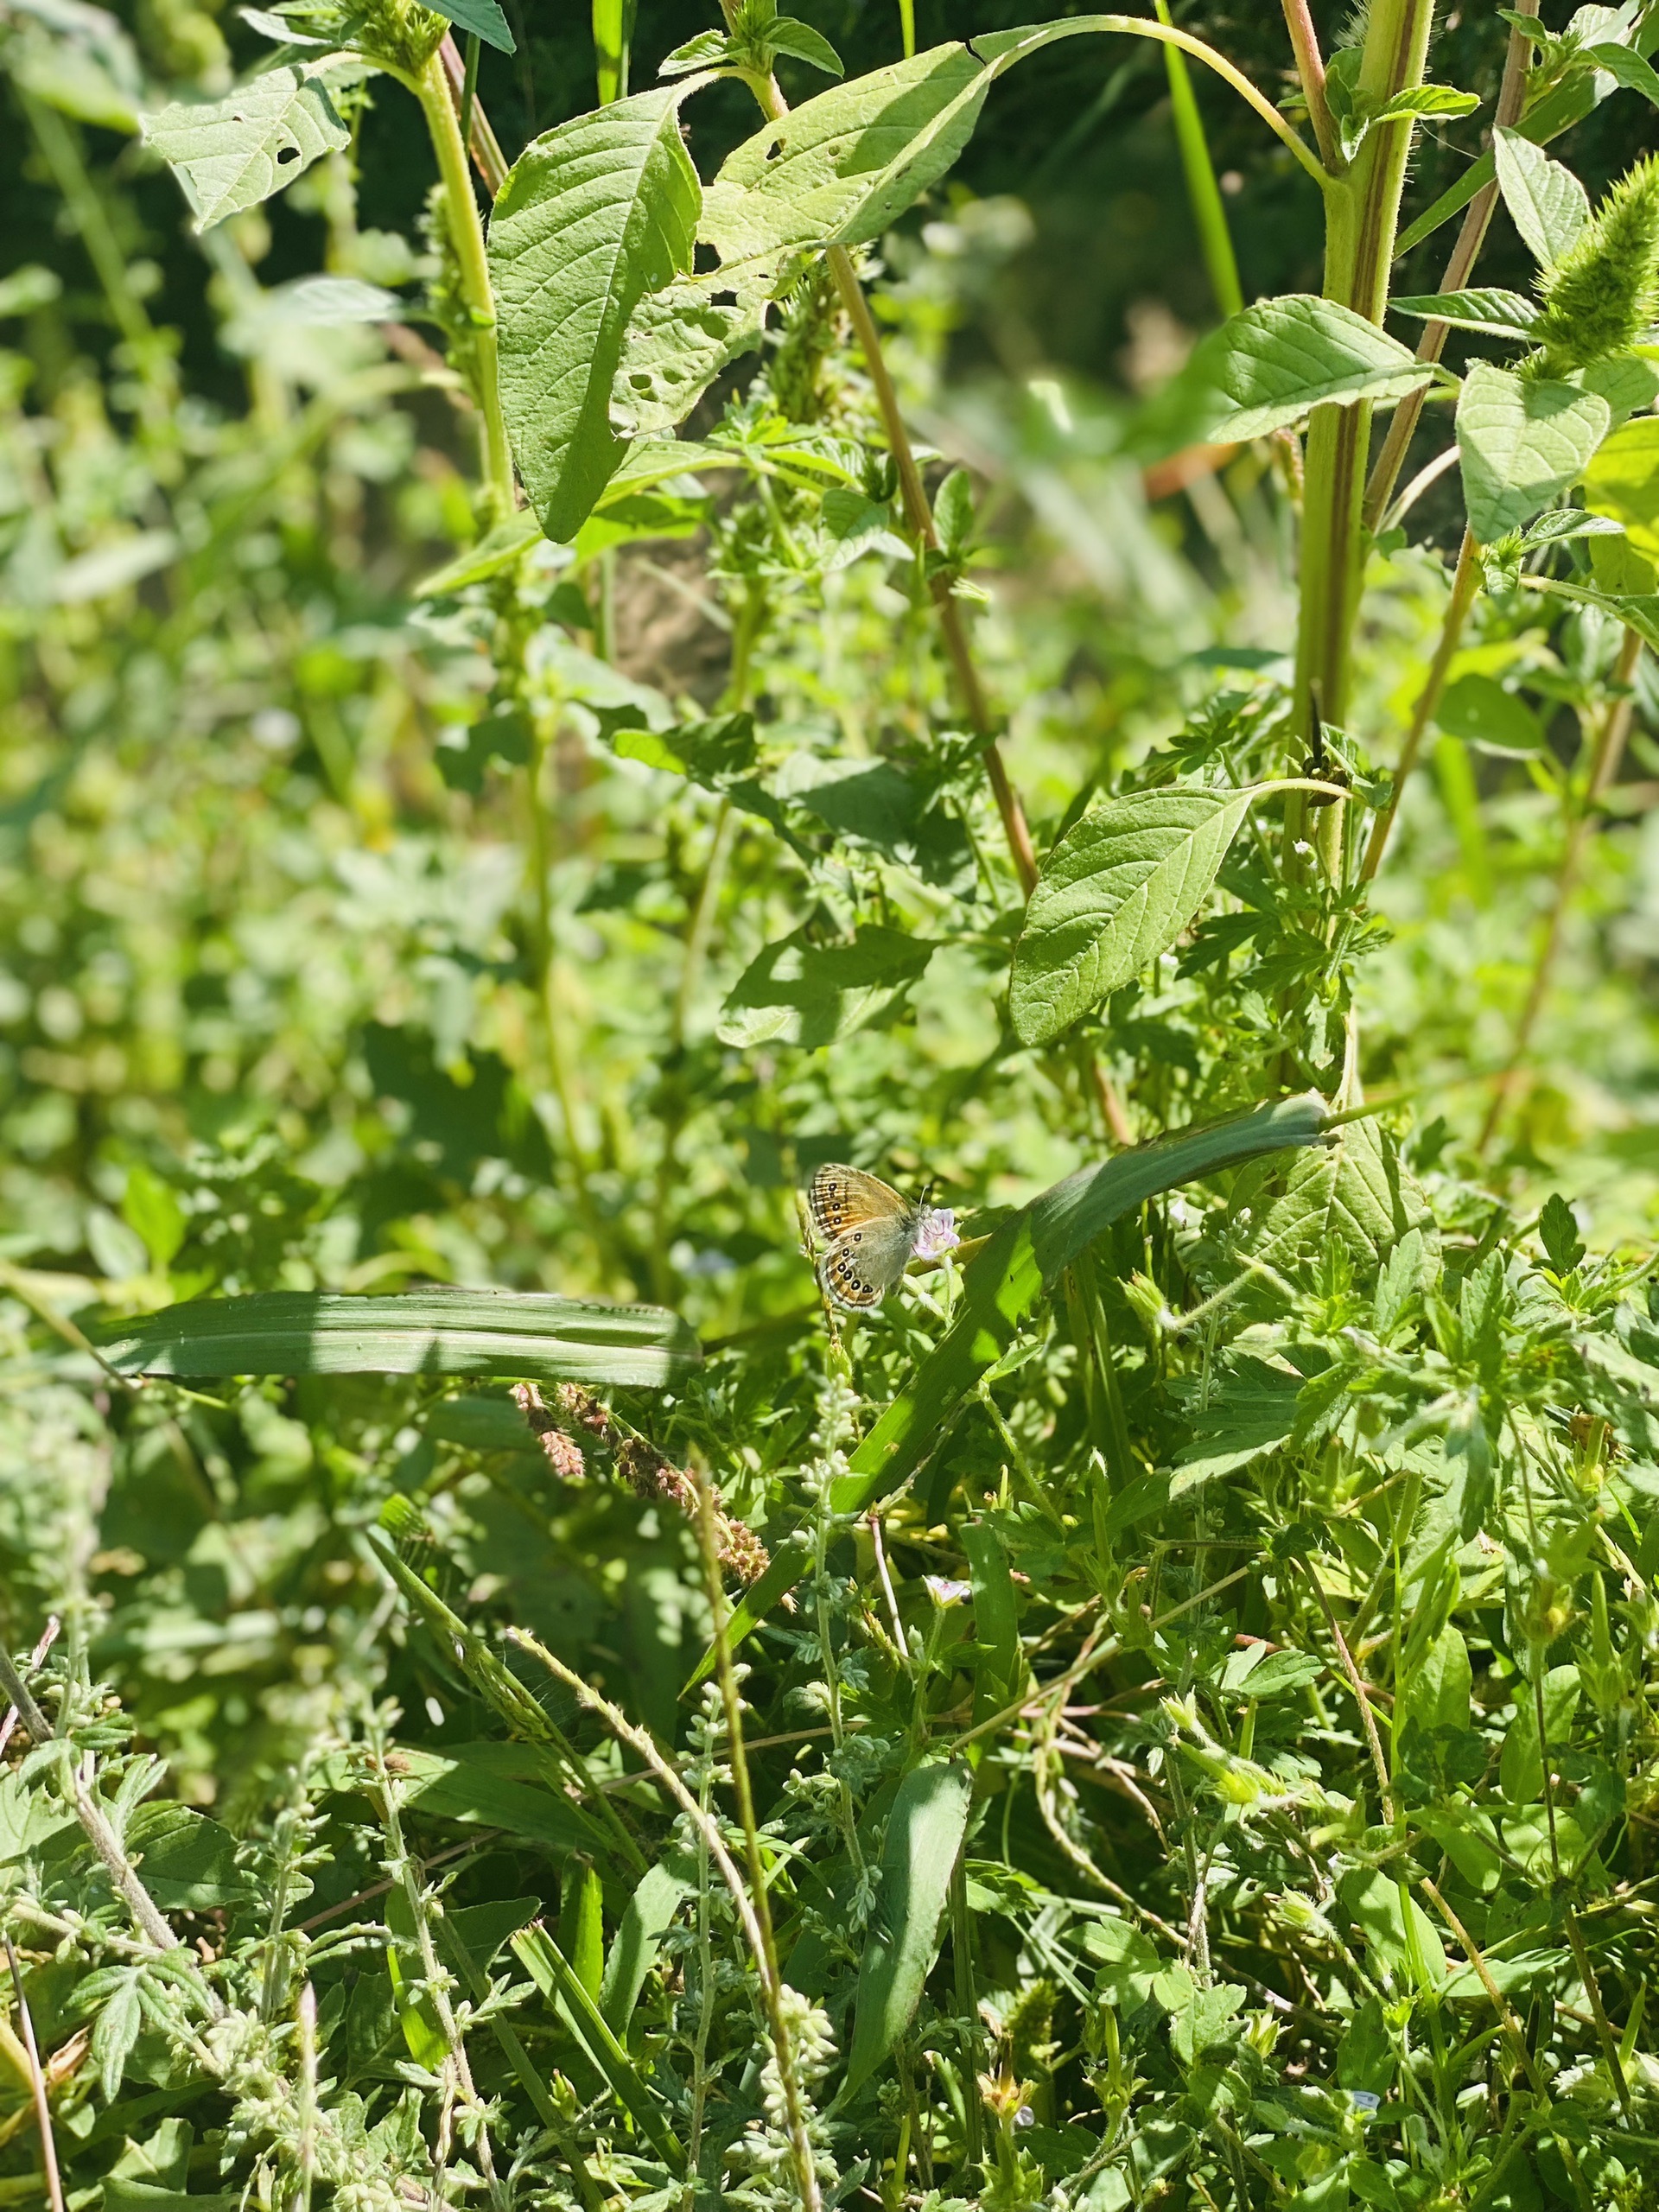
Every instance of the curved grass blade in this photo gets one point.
(521, 1333)
(1006, 1278)
(556, 1978)
(1023, 1257)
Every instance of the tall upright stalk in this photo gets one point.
(467, 236)
(1361, 219)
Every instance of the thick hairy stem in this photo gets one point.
(467, 236)
(1362, 217)
(1511, 99)
(1465, 581)
(1581, 829)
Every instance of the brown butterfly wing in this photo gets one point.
(840, 1199)
(847, 1276)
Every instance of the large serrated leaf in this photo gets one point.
(1115, 893)
(1352, 1191)
(1546, 203)
(1522, 441)
(1271, 365)
(675, 345)
(593, 216)
(924, 1833)
(428, 1332)
(229, 155)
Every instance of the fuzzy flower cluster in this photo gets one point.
(639, 1464)
(1603, 293)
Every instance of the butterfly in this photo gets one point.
(873, 1233)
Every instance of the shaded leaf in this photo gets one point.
(482, 17)
(1522, 441)
(647, 1919)
(798, 993)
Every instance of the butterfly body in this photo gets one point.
(872, 1234)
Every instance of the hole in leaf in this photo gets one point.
(286, 155)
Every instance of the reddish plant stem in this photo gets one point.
(1512, 98)
(1309, 67)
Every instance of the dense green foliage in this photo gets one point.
(538, 715)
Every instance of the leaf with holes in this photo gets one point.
(1522, 441)
(229, 155)
(1116, 891)
(594, 217)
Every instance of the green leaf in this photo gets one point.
(925, 1832)
(1546, 201)
(1400, 1935)
(527, 1333)
(151, 1207)
(499, 549)
(709, 753)
(1623, 483)
(647, 1918)
(189, 1861)
(1626, 68)
(1252, 1409)
(1273, 364)
(116, 2030)
(553, 1975)
(1477, 709)
(677, 342)
(1116, 892)
(1352, 1190)
(593, 216)
(1521, 1767)
(1521, 442)
(1422, 100)
(798, 993)
(1128, 1965)
(1503, 314)
(482, 17)
(230, 154)
(788, 36)
(1437, 1691)
(708, 50)
(1558, 111)
(1026, 1254)
(1558, 1232)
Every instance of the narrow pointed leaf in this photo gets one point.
(924, 1833)
(1505, 315)
(556, 1978)
(527, 1333)
(593, 217)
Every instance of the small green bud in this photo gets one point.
(1603, 292)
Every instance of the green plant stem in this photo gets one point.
(611, 29)
(757, 1931)
(467, 236)
(409, 1875)
(1362, 217)
(37, 2085)
(1580, 832)
(1511, 99)
(1604, 2025)
(1204, 194)
(469, 86)
(806, 2173)
(1465, 581)
(907, 27)
(1309, 68)
(481, 141)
